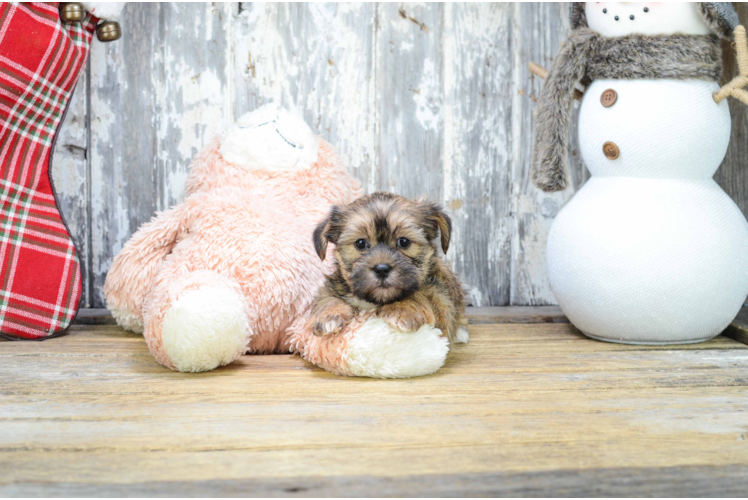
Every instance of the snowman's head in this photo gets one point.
(655, 18)
(645, 18)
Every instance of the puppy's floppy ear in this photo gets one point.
(327, 230)
(436, 217)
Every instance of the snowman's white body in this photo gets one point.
(651, 250)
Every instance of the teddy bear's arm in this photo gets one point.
(134, 268)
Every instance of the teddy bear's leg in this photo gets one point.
(130, 278)
(197, 322)
(369, 347)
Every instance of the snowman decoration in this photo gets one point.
(650, 250)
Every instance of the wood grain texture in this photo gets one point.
(475, 315)
(515, 314)
(732, 176)
(123, 149)
(539, 29)
(688, 481)
(410, 101)
(738, 329)
(477, 158)
(420, 99)
(521, 409)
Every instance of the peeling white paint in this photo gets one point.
(110, 224)
(428, 111)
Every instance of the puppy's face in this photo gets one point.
(384, 244)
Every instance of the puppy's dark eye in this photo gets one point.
(403, 242)
(360, 244)
(605, 11)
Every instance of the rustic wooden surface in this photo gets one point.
(475, 315)
(523, 409)
(738, 329)
(420, 99)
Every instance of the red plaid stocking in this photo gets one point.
(40, 61)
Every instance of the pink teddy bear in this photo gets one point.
(233, 270)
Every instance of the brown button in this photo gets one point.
(609, 98)
(610, 150)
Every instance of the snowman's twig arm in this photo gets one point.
(741, 47)
(740, 95)
(734, 88)
(540, 71)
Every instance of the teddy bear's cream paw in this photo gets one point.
(205, 328)
(127, 319)
(378, 350)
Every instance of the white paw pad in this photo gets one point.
(462, 336)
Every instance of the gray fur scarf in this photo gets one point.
(585, 56)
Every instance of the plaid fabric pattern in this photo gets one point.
(40, 275)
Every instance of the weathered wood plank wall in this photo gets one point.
(428, 99)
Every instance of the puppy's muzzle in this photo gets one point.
(382, 262)
(382, 271)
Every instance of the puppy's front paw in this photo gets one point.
(329, 315)
(406, 317)
(326, 325)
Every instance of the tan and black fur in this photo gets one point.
(387, 261)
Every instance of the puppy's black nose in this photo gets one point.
(382, 270)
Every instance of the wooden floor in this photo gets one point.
(523, 409)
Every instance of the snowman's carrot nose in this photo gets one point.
(734, 88)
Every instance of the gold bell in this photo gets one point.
(72, 12)
(108, 31)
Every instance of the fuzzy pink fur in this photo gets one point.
(328, 352)
(248, 231)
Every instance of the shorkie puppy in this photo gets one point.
(387, 262)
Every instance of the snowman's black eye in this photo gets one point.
(646, 9)
(631, 17)
(616, 18)
(605, 11)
